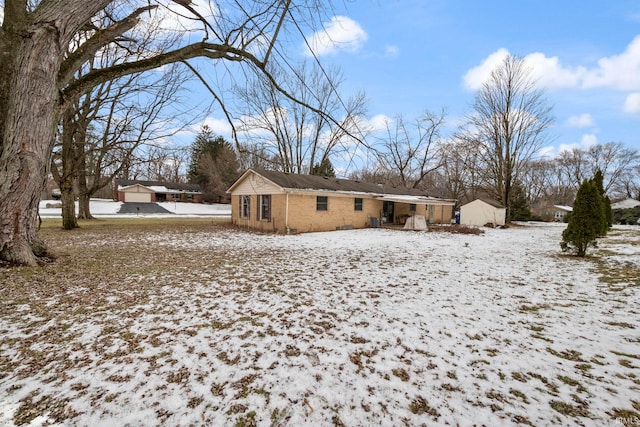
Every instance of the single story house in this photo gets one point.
(157, 191)
(625, 204)
(291, 203)
(482, 212)
(560, 212)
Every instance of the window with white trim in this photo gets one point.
(265, 208)
(245, 207)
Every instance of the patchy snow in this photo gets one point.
(104, 207)
(197, 208)
(358, 327)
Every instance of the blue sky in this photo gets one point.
(412, 55)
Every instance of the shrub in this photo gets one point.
(626, 216)
(586, 220)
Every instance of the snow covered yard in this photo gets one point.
(208, 325)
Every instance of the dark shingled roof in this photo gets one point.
(494, 203)
(313, 182)
(194, 188)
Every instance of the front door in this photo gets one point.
(387, 211)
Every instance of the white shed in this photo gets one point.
(481, 212)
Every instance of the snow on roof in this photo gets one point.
(160, 186)
(417, 200)
(564, 208)
(625, 204)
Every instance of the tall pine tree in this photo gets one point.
(606, 216)
(214, 165)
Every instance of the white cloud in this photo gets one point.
(341, 33)
(632, 103)
(548, 151)
(218, 126)
(1, 15)
(171, 17)
(475, 77)
(376, 123)
(550, 73)
(391, 50)
(547, 71)
(619, 72)
(580, 121)
(587, 140)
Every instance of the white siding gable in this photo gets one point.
(256, 184)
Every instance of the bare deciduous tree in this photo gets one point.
(411, 152)
(509, 124)
(161, 161)
(38, 64)
(461, 173)
(296, 137)
(106, 127)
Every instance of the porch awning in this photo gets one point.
(416, 200)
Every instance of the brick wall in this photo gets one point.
(304, 217)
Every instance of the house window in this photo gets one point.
(265, 208)
(245, 206)
(322, 203)
(175, 196)
(357, 204)
(412, 207)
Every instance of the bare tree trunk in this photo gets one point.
(84, 210)
(38, 67)
(65, 181)
(69, 220)
(29, 116)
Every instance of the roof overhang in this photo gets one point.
(416, 200)
(163, 189)
(139, 186)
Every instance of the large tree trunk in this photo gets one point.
(84, 196)
(32, 47)
(28, 125)
(84, 209)
(69, 220)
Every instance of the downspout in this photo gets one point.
(286, 212)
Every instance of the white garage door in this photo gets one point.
(137, 197)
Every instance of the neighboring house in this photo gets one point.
(560, 212)
(482, 212)
(625, 204)
(156, 191)
(291, 203)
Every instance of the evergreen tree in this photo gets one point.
(519, 205)
(586, 220)
(324, 168)
(214, 165)
(608, 212)
(606, 215)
